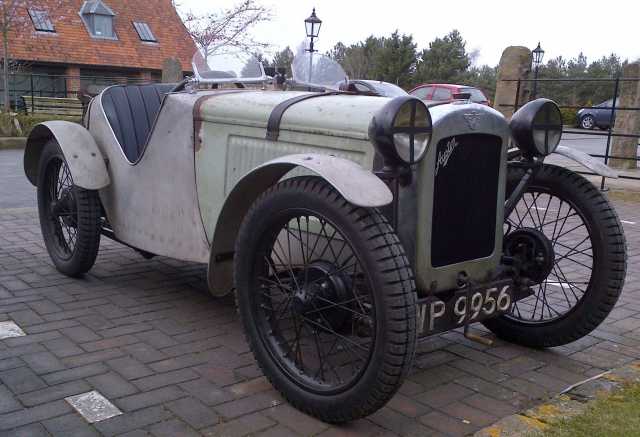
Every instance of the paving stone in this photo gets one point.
(112, 385)
(53, 393)
(70, 425)
(149, 398)
(447, 424)
(467, 413)
(444, 394)
(33, 430)
(163, 379)
(245, 425)
(391, 420)
(43, 362)
(206, 391)
(93, 406)
(249, 404)
(11, 363)
(75, 373)
(296, 420)
(33, 415)
(63, 347)
(490, 405)
(7, 401)
(193, 412)
(144, 353)
(129, 368)
(172, 428)
(21, 380)
(132, 421)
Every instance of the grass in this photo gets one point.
(617, 415)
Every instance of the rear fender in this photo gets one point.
(357, 185)
(80, 150)
(587, 161)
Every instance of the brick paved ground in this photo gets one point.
(148, 336)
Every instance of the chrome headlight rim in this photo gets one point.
(386, 134)
(540, 118)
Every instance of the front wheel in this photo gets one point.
(69, 215)
(582, 254)
(327, 299)
(587, 122)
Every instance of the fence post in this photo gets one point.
(624, 149)
(513, 71)
(32, 96)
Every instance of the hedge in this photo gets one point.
(27, 122)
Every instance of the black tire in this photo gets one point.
(387, 323)
(602, 265)
(587, 122)
(69, 215)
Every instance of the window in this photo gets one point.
(423, 93)
(98, 18)
(442, 94)
(41, 21)
(144, 31)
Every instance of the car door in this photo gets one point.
(603, 113)
(423, 93)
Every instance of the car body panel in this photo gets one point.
(152, 205)
(233, 128)
(84, 158)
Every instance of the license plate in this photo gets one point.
(462, 307)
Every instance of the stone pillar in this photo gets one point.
(145, 75)
(627, 122)
(515, 63)
(73, 80)
(171, 71)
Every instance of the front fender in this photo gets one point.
(357, 185)
(80, 150)
(592, 164)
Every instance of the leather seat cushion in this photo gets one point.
(131, 111)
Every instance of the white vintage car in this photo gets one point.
(349, 226)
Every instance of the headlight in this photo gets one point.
(537, 127)
(401, 131)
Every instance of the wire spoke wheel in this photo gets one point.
(573, 255)
(570, 244)
(60, 207)
(69, 214)
(316, 308)
(327, 299)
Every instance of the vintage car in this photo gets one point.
(349, 226)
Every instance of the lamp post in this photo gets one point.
(538, 54)
(312, 26)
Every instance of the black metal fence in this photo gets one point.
(26, 88)
(613, 84)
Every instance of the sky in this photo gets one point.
(563, 27)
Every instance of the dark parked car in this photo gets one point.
(437, 92)
(597, 116)
(373, 87)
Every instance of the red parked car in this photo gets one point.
(437, 92)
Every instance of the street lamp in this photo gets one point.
(312, 26)
(538, 54)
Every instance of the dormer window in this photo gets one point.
(41, 21)
(98, 18)
(144, 31)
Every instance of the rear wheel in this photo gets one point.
(69, 215)
(327, 298)
(581, 270)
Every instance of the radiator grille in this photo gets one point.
(465, 196)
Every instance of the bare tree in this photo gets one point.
(227, 28)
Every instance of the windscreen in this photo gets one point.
(227, 65)
(317, 70)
